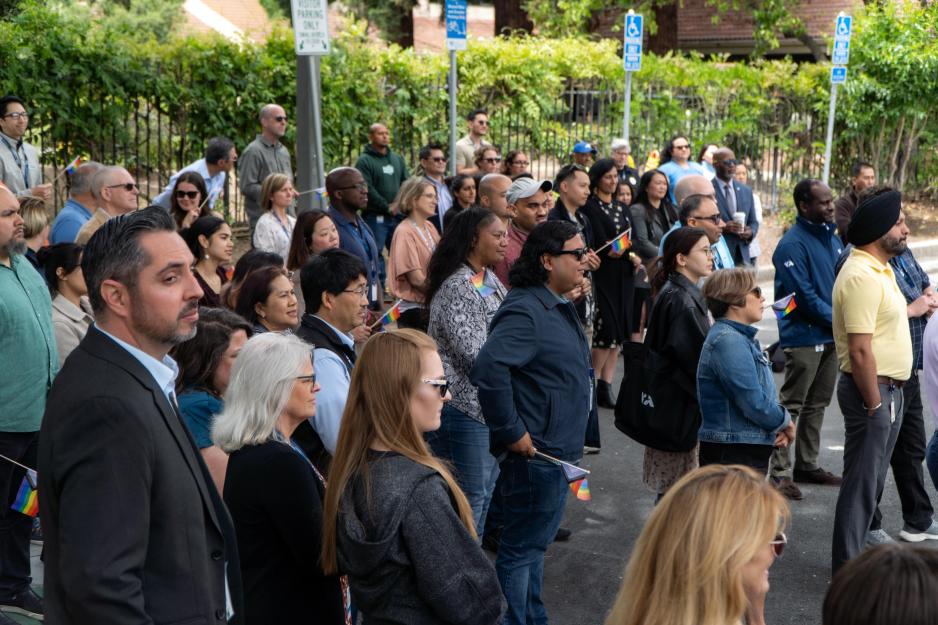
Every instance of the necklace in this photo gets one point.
(425, 234)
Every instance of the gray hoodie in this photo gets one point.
(409, 559)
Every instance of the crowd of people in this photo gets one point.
(334, 425)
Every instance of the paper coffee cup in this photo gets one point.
(740, 218)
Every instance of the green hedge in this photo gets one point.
(92, 90)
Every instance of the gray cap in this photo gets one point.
(526, 187)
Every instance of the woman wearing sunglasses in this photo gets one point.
(187, 202)
(742, 419)
(273, 491)
(395, 520)
(699, 560)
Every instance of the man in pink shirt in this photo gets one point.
(527, 206)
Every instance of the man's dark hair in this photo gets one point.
(7, 100)
(427, 150)
(566, 172)
(199, 357)
(802, 191)
(114, 252)
(218, 149)
(690, 205)
(546, 238)
(857, 168)
(471, 117)
(329, 272)
(460, 236)
(668, 150)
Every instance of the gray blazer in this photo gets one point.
(70, 324)
(15, 157)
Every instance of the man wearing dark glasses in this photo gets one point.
(115, 192)
(478, 122)
(433, 164)
(264, 156)
(736, 206)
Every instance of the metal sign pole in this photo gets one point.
(319, 174)
(311, 33)
(830, 134)
(839, 57)
(627, 115)
(631, 61)
(452, 112)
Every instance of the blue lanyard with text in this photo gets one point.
(23, 165)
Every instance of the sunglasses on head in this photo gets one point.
(189, 194)
(577, 253)
(441, 385)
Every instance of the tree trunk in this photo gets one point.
(911, 143)
(510, 15)
(894, 159)
(666, 38)
(404, 37)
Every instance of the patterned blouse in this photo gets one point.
(459, 320)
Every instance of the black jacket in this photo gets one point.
(134, 529)
(314, 331)
(409, 559)
(276, 500)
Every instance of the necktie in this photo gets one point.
(730, 200)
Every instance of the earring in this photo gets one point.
(262, 315)
(207, 257)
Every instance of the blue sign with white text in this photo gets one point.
(838, 75)
(632, 42)
(841, 55)
(455, 24)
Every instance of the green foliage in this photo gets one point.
(135, 19)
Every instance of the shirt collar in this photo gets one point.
(345, 338)
(742, 328)
(265, 142)
(164, 371)
(871, 261)
(17, 143)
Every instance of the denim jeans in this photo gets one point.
(931, 458)
(380, 230)
(533, 496)
(15, 527)
(464, 442)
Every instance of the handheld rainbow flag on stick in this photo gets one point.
(392, 315)
(478, 281)
(27, 499)
(69, 169)
(619, 244)
(582, 490)
(784, 306)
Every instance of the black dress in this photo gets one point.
(614, 281)
(210, 298)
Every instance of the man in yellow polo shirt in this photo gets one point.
(874, 349)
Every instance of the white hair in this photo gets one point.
(618, 144)
(260, 386)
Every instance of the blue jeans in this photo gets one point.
(464, 442)
(533, 496)
(931, 458)
(380, 230)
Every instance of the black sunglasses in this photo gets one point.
(189, 194)
(281, 118)
(578, 253)
(127, 186)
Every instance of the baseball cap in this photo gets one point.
(526, 187)
(582, 147)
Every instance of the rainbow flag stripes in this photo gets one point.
(784, 306)
(71, 167)
(582, 490)
(478, 281)
(27, 499)
(392, 315)
(621, 242)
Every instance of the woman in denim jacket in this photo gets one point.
(742, 419)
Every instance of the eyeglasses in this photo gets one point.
(441, 385)
(127, 186)
(521, 163)
(431, 194)
(360, 292)
(189, 194)
(497, 159)
(757, 291)
(685, 146)
(438, 159)
(482, 122)
(778, 545)
(280, 118)
(716, 218)
(309, 379)
(578, 253)
(361, 186)
(18, 115)
(731, 162)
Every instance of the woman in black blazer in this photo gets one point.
(274, 493)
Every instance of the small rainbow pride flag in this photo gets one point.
(392, 315)
(582, 490)
(784, 306)
(71, 167)
(621, 242)
(27, 499)
(478, 281)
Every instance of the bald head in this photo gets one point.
(11, 226)
(724, 164)
(379, 136)
(493, 194)
(115, 190)
(692, 184)
(347, 189)
(273, 122)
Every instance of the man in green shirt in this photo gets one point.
(27, 348)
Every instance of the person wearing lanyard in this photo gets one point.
(19, 161)
(348, 195)
(274, 229)
(411, 247)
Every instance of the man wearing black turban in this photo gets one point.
(874, 350)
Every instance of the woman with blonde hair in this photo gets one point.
(395, 520)
(274, 229)
(704, 555)
(412, 245)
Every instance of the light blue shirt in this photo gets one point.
(334, 379)
(675, 172)
(214, 185)
(68, 222)
(722, 259)
(164, 371)
(444, 201)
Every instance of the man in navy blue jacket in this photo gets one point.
(536, 387)
(804, 265)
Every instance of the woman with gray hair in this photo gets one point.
(274, 493)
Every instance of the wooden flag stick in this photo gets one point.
(378, 322)
(608, 243)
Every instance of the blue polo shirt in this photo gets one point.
(68, 222)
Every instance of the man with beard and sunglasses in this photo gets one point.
(116, 192)
(28, 350)
(874, 349)
(134, 528)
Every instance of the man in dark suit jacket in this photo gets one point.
(135, 531)
(734, 197)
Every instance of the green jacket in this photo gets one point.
(384, 173)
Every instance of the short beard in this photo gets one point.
(893, 246)
(14, 247)
(163, 333)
